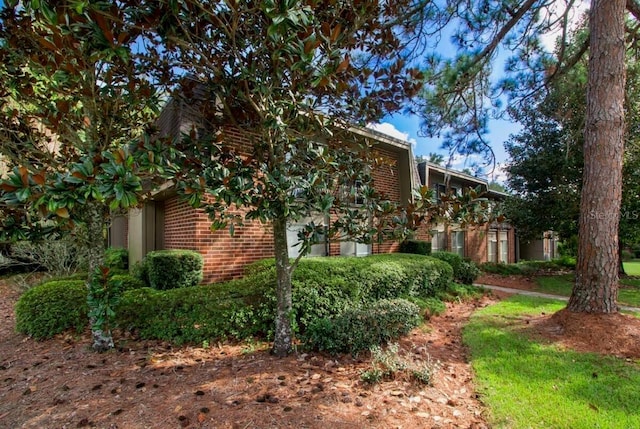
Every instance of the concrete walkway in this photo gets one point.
(542, 295)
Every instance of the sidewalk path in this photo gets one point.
(542, 295)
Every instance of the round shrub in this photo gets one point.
(468, 272)
(360, 329)
(452, 259)
(52, 307)
(463, 271)
(171, 269)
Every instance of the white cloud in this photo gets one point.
(553, 13)
(391, 130)
(499, 174)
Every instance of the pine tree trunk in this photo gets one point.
(596, 287)
(95, 223)
(283, 341)
(621, 271)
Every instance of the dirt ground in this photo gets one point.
(61, 383)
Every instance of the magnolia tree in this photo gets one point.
(293, 76)
(75, 128)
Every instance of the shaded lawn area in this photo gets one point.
(628, 294)
(527, 384)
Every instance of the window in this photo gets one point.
(354, 192)
(438, 242)
(504, 247)
(293, 241)
(492, 246)
(351, 248)
(438, 190)
(457, 242)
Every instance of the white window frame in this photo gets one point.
(503, 239)
(317, 250)
(457, 242)
(492, 251)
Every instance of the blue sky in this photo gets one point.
(406, 127)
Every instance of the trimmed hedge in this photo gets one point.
(322, 287)
(417, 247)
(356, 330)
(239, 309)
(171, 269)
(52, 307)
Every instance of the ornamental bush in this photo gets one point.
(235, 309)
(360, 329)
(52, 307)
(56, 305)
(171, 269)
(322, 288)
(116, 257)
(464, 271)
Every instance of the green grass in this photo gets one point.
(562, 285)
(526, 384)
(632, 268)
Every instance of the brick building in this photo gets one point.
(167, 222)
(494, 242)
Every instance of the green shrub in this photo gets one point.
(60, 304)
(450, 258)
(627, 255)
(129, 282)
(171, 269)
(467, 273)
(118, 258)
(51, 308)
(322, 288)
(501, 268)
(566, 261)
(360, 329)
(418, 247)
(141, 272)
(237, 309)
(463, 271)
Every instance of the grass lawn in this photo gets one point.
(632, 268)
(526, 384)
(562, 285)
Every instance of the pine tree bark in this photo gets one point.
(596, 286)
(283, 339)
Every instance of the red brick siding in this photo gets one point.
(386, 180)
(225, 257)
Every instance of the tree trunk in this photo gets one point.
(283, 341)
(621, 271)
(95, 223)
(596, 287)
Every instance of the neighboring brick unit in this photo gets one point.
(477, 239)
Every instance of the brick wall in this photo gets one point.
(225, 256)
